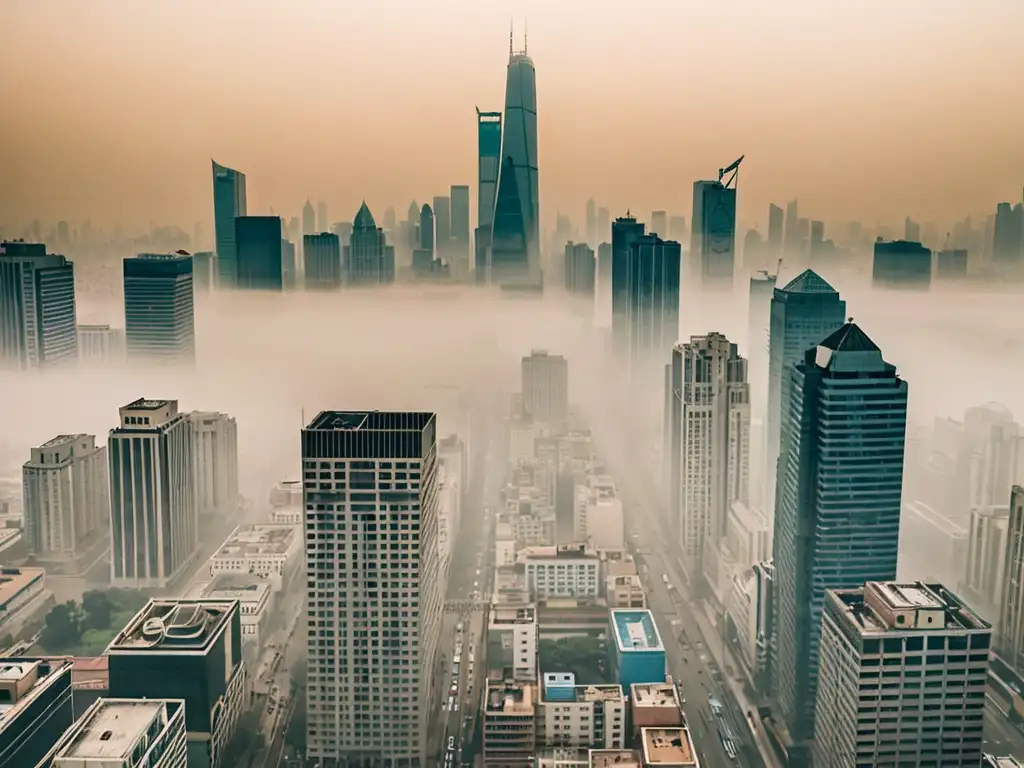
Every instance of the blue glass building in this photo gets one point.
(258, 244)
(639, 652)
(159, 308)
(228, 204)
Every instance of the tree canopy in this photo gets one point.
(86, 628)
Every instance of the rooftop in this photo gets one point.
(610, 758)
(509, 698)
(635, 631)
(13, 581)
(257, 539)
(171, 626)
(878, 608)
(243, 593)
(559, 551)
(24, 680)
(654, 695)
(808, 281)
(598, 693)
(371, 420)
(110, 729)
(142, 404)
(668, 746)
(850, 338)
(512, 614)
(61, 440)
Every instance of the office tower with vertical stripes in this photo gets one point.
(229, 203)
(159, 308)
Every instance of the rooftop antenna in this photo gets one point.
(526, 35)
(510, 26)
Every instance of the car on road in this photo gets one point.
(451, 743)
(454, 688)
(451, 703)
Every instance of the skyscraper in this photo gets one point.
(308, 218)
(228, 204)
(802, 313)
(580, 269)
(625, 231)
(759, 308)
(591, 223)
(515, 235)
(258, 247)
(604, 225)
(677, 229)
(322, 256)
(154, 528)
(159, 309)
(67, 499)
(918, 631)
(488, 162)
(426, 219)
(653, 308)
(393, 458)
(369, 260)
(713, 237)
(792, 242)
(442, 225)
(901, 265)
(323, 224)
(38, 325)
(774, 232)
(838, 516)
(714, 440)
(459, 230)
(659, 224)
(1010, 643)
(1008, 235)
(214, 463)
(545, 386)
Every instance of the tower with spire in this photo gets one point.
(369, 260)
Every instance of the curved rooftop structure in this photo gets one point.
(364, 219)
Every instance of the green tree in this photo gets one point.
(98, 608)
(63, 627)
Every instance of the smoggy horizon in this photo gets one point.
(872, 112)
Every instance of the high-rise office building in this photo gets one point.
(260, 261)
(714, 445)
(323, 224)
(154, 528)
(288, 265)
(792, 239)
(369, 260)
(951, 264)
(1008, 235)
(1010, 621)
(191, 651)
(391, 457)
(677, 229)
(37, 307)
(604, 225)
(515, 232)
(930, 712)
(775, 220)
(713, 234)
(322, 256)
(580, 269)
(802, 313)
(67, 499)
(591, 223)
(902, 265)
(204, 264)
(545, 386)
(625, 231)
(984, 574)
(838, 515)
(459, 231)
(38, 709)
(159, 308)
(308, 218)
(426, 219)
(653, 308)
(759, 308)
(604, 281)
(442, 224)
(100, 345)
(228, 204)
(659, 224)
(214, 462)
(488, 162)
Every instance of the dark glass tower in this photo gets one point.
(625, 230)
(369, 260)
(488, 160)
(713, 236)
(228, 204)
(322, 257)
(159, 309)
(838, 517)
(653, 310)
(258, 242)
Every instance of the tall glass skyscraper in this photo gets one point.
(368, 259)
(228, 204)
(625, 231)
(488, 160)
(515, 236)
(838, 517)
(713, 246)
(259, 262)
(802, 313)
(653, 309)
(159, 308)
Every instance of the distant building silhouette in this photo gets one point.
(713, 238)
(426, 230)
(322, 257)
(38, 326)
(308, 218)
(951, 264)
(902, 264)
(288, 265)
(258, 242)
(369, 260)
(459, 231)
(625, 231)
(775, 224)
(228, 203)
(604, 225)
(591, 233)
(1008, 235)
(580, 269)
(911, 230)
(159, 310)
(653, 307)
(677, 229)
(659, 224)
(442, 225)
(488, 162)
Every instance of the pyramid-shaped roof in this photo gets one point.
(364, 219)
(808, 281)
(850, 338)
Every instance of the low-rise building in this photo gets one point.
(126, 733)
(35, 708)
(669, 748)
(622, 585)
(599, 519)
(23, 596)
(255, 603)
(570, 715)
(639, 651)
(565, 570)
(512, 640)
(509, 723)
(654, 705)
(267, 550)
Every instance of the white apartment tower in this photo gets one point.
(901, 678)
(370, 491)
(214, 462)
(545, 386)
(66, 496)
(154, 528)
(714, 443)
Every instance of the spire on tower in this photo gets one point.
(510, 36)
(526, 34)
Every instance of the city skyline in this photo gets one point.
(792, 154)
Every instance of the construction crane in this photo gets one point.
(734, 169)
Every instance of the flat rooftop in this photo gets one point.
(668, 746)
(654, 695)
(243, 593)
(512, 614)
(26, 679)
(557, 552)
(371, 420)
(878, 608)
(598, 692)
(61, 440)
(257, 539)
(110, 729)
(509, 698)
(170, 626)
(14, 581)
(142, 404)
(614, 758)
(635, 631)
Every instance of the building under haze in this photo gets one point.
(1010, 621)
(802, 313)
(1008, 236)
(625, 231)
(390, 459)
(67, 500)
(442, 225)
(931, 710)
(228, 204)
(100, 344)
(426, 239)
(652, 311)
(759, 312)
(259, 261)
(838, 517)
(458, 247)
(901, 264)
(159, 308)
(322, 260)
(214, 463)
(580, 269)
(545, 386)
(154, 528)
(38, 325)
(515, 232)
(308, 218)
(488, 162)
(713, 233)
(369, 260)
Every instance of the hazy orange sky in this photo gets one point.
(872, 109)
